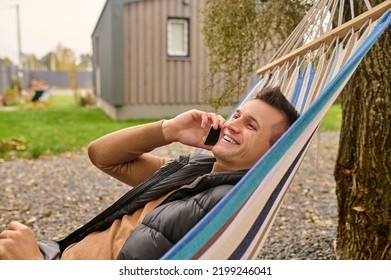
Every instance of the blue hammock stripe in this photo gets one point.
(311, 79)
(279, 162)
(296, 92)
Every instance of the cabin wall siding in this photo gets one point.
(151, 76)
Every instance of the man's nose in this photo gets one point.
(233, 125)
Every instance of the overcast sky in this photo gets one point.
(46, 23)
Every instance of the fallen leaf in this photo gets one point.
(359, 208)
(31, 220)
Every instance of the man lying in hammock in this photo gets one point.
(170, 196)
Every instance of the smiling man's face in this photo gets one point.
(245, 137)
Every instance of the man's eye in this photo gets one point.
(251, 126)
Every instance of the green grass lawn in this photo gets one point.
(332, 120)
(64, 126)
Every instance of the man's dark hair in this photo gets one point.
(274, 97)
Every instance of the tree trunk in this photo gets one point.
(363, 168)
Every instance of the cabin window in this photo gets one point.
(178, 37)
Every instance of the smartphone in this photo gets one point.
(212, 137)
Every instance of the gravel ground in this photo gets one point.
(56, 195)
(306, 225)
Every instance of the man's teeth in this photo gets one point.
(229, 139)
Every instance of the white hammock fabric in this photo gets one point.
(312, 80)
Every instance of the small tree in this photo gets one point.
(65, 58)
(237, 35)
(85, 61)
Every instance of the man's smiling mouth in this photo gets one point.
(230, 140)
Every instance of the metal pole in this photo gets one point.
(19, 37)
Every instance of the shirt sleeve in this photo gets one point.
(124, 154)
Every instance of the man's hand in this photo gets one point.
(18, 242)
(191, 127)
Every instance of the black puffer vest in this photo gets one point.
(175, 216)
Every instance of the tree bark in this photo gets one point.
(363, 167)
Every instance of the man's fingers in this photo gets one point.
(14, 229)
(221, 121)
(4, 234)
(15, 225)
(215, 120)
(204, 119)
(18, 242)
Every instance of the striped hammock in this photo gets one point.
(312, 77)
